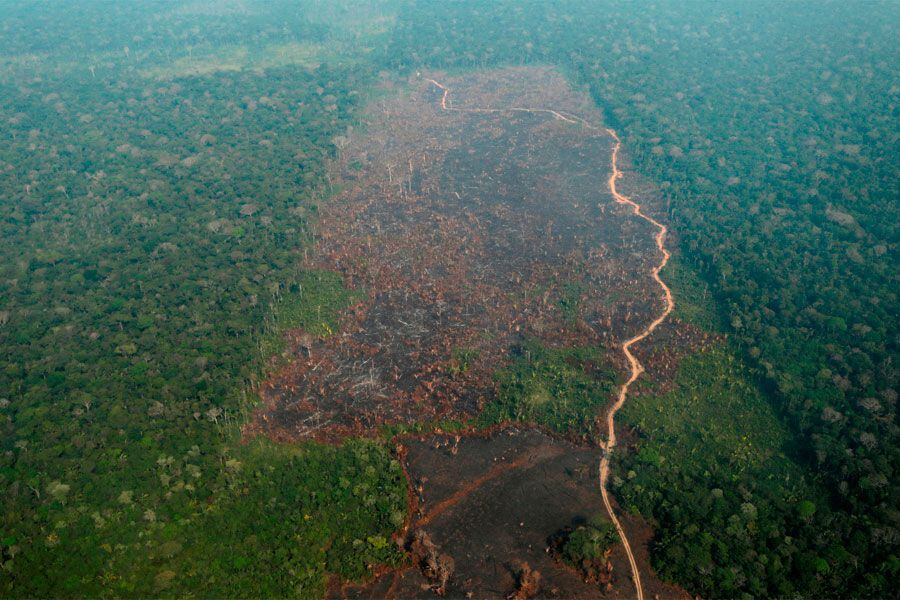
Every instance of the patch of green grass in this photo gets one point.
(562, 389)
(714, 420)
(713, 473)
(312, 303)
(694, 302)
(570, 301)
(462, 358)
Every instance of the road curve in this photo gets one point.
(635, 366)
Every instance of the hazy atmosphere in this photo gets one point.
(470, 299)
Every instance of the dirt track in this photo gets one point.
(636, 368)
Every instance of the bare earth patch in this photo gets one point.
(493, 503)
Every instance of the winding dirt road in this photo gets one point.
(636, 368)
(635, 365)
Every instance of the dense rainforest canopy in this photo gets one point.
(151, 220)
(162, 165)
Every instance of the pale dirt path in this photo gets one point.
(634, 364)
(636, 368)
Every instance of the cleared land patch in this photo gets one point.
(493, 503)
(466, 233)
(495, 279)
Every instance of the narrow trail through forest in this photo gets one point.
(635, 366)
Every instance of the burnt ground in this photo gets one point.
(466, 232)
(473, 232)
(492, 503)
